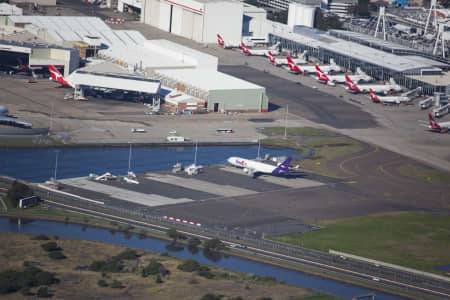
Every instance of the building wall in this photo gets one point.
(224, 18)
(253, 100)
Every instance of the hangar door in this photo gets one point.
(164, 15)
(177, 19)
(191, 25)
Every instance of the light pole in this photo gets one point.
(285, 122)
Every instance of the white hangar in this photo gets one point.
(199, 20)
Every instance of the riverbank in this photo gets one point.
(76, 278)
(114, 226)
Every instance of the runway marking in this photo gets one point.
(382, 170)
(341, 165)
(352, 182)
(200, 185)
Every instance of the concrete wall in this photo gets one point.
(224, 18)
(253, 100)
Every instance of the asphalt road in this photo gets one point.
(304, 101)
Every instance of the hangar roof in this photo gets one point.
(319, 39)
(68, 28)
(115, 81)
(209, 79)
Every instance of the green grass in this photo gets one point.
(327, 149)
(423, 173)
(296, 130)
(410, 239)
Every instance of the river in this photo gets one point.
(38, 164)
(74, 231)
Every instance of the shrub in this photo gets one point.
(127, 254)
(43, 292)
(40, 237)
(111, 266)
(193, 280)
(18, 191)
(189, 265)
(154, 268)
(211, 297)
(50, 246)
(45, 278)
(158, 279)
(102, 283)
(26, 291)
(116, 284)
(213, 244)
(194, 242)
(56, 255)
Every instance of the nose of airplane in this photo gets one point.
(230, 160)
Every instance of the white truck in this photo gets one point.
(424, 104)
(440, 111)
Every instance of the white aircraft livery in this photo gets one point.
(253, 167)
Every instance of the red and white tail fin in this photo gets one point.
(292, 66)
(244, 49)
(433, 123)
(220, 40)
(57, 76)
(271, 58)
(374, 97)
(321, 75)
(351, 85)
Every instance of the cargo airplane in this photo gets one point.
(333, 79)
(381, 88)
(388, 99)
(284, 61)
(57, 76)
(260, 52)
(293, 67)
(253, 167)
(442, 127)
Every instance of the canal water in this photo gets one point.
(343, 290)
(38, 164)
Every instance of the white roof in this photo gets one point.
(115, 81)
(366, 54)
(72, 29)
(209, 79)
(162, 54)
(9, 10)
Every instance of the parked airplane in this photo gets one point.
(389, 99)
(293, 67)
(253, 167)
(7, 119)
(224, 44)
(442, 127)
(333, 79)
(57, 76)
(381, 88)
(284, 61)
(261, 52)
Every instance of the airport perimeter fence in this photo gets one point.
(252, 239)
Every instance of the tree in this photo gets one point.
(43, 292)
(102, 283)
(50, 246)
(327, 22)
(213, 245)
(189, 265)
(175, 235)
(444, 3)
(194, 242)
(56, 255)
(116, 284)
(158, 279)
(17, 191)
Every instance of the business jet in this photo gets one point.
(57, 76)
(381, 88)
(253, 167)
(333, 79)
(261, 52)
(442, 127)
(284, 61)
(389, 99)
(294, 68)
(224, 44)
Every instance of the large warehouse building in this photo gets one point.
(199, 20)
(223, 92)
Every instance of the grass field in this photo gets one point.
(326, 149)
(410, 239)
(296, 131)
(82, 284)
(423, 173)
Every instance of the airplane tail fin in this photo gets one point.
(320, 74)
(220, 40)
(373, 96)
(271, 58)
(54, 73)
(283, 167)
(433, 123)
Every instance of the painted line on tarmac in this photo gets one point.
(341, 165)
(382, 170)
